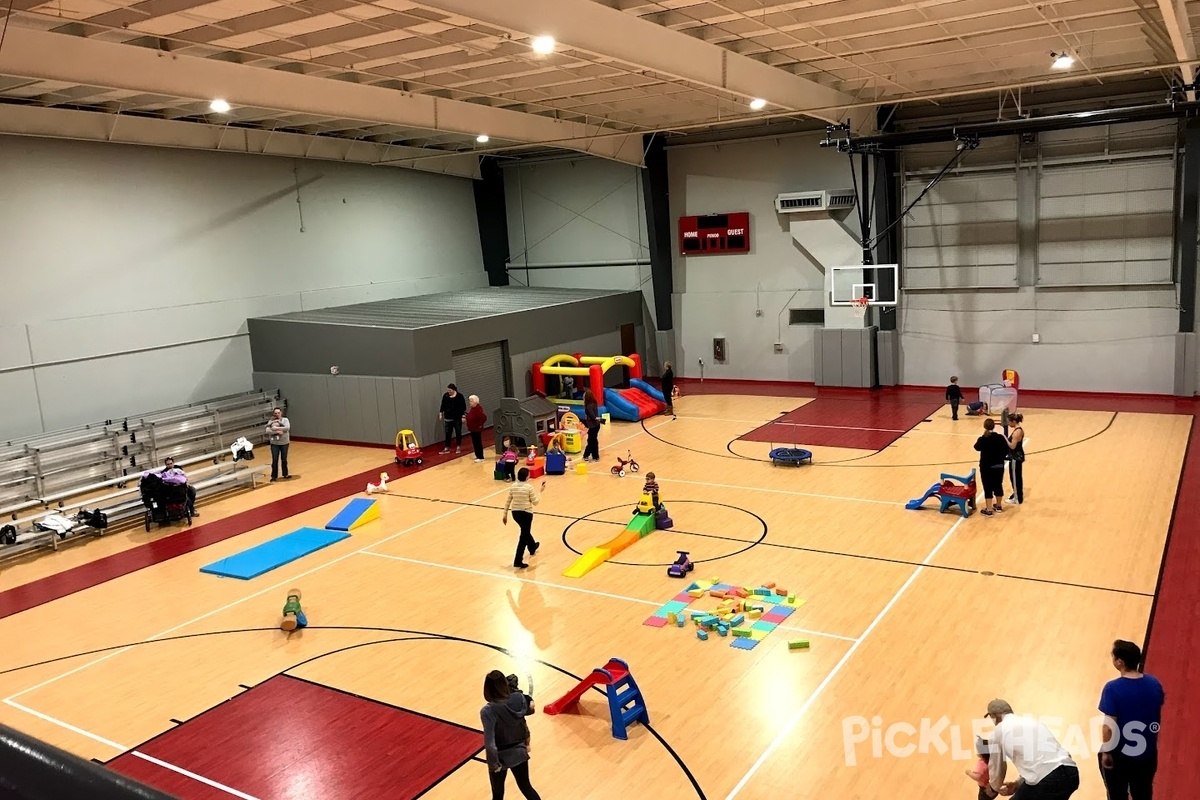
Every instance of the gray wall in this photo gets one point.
(580, 224)
(282, 346)
(351, 408)
(129, 272)
(720, 296)
(1083, 261)
(356, 408)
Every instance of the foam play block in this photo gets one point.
(702, 635)
(556, 463)
(679, 623)
(755, 613)
(799, 644)
(671, 617)
(275, 553)
(499, 475)
(357, 512)
(536, 471)
(741, 633)
(696, 592)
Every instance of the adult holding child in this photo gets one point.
(506, 735)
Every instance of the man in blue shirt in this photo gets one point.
(1132, 705)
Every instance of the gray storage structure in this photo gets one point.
(395, 357)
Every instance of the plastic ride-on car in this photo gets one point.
(682, 566)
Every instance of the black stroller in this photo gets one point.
(165, 502)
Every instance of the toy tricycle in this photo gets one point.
(408, 452)
(682, 566)
(625, 463)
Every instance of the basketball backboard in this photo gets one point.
(879, 283)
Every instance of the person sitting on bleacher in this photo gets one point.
(175, 476)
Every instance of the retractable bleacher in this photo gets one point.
(96, 467)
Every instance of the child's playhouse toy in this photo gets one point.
(293, 614)
(682, 566)
(408, 452)
(961, 494)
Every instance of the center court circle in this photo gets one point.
(728, 529)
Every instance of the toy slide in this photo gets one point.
(639, 401)
(912, 505)
(625, 701)
(640, 526)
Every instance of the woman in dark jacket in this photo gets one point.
(506, 735)
(451, 413)
(993, 452)
(591, 421)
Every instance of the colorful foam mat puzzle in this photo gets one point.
(775, 609)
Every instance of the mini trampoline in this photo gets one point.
(792, 456)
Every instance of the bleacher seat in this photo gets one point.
(98, 466)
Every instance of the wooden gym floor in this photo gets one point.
(184, 680)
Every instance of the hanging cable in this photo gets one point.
(964, 146)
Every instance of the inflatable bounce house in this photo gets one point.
(639, 401)
(1001, 397)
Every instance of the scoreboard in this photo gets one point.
(715, 234)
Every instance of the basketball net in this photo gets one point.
(859, 304)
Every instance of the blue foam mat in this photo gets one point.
(275, 553)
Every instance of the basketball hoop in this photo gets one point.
(859, 304)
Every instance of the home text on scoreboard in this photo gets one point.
(715, 234)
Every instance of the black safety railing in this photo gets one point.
(33, 770)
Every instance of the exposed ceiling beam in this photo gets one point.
(603, 31)
(94, 126)
(29, 53)
(1175, 16)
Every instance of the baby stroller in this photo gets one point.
(165, 502)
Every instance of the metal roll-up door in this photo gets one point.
(480, 371)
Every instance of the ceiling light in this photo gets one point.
(482, 138)
(758, 104)
(1062, 60)
(220, 106)
(543, 45)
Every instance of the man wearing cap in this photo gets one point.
(1045, 771)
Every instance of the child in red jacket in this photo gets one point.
(476, 419)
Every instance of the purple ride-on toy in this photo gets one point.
(682, 566)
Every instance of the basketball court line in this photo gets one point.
(200, 778)
(580, 590)
(777, 491)
(9, 700)
(227, 606)
(787, 729)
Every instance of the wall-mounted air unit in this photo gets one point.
(820, 200)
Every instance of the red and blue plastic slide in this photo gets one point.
(639, 401)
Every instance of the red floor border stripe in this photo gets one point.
(1173, 639)
(94, 573)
